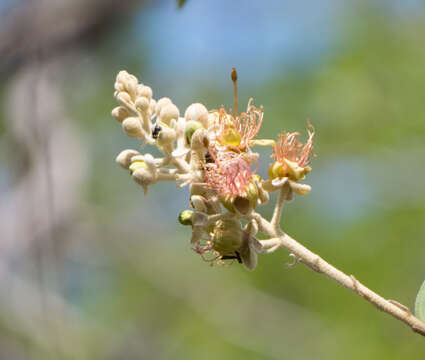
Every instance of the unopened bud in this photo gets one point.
(197, 112)
(161, 103)
(131, 86)
(168, 113)
(137, 165)
(132, 127)
(123, 98)
(142, 104)
(122, 76)
(152, 105)
(120, 113)
(166, 136)
(144, 91)
(185, 217)
(199, 139)
(144, 177)
(191, 127)
(125, 156)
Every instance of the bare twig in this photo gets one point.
(279, 239)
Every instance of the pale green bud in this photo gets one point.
(191, 127)
(185, 217)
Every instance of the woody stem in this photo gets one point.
(277, 213)
(319, 265)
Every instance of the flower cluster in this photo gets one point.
(210, 151)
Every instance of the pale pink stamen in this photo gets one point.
(229, 175)
(288, 147)
(248, 124)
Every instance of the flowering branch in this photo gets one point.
(210, 151)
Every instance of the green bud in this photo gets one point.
(191, 127)
(185, 217)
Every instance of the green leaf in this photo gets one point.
(420, 303)
(180, 3)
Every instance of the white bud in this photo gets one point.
(168, 113)
(119, 86)
(131, 86)
(166, 136)
(122, 77)
(125, 157)
(143, 177)
(138, 157)
(199, 140)
(161, 103)
(197, 112)
(123, 98)
(150, 161)
(144, 91)
(152, 106)
(132, 127)
(142, 104)
(120, 113)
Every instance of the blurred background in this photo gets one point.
(92, 269)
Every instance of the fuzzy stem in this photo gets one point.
(316, 263)
(181, 164)
(277, 214)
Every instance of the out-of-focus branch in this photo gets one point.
(55, 25)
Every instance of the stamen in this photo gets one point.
(235, 90)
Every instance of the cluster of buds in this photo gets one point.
(210, 151)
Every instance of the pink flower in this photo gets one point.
(229, 174)
(289, 148)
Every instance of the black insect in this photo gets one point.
(236, 256)
(155, 131)
(208, 158)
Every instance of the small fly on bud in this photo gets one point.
(155, 131)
